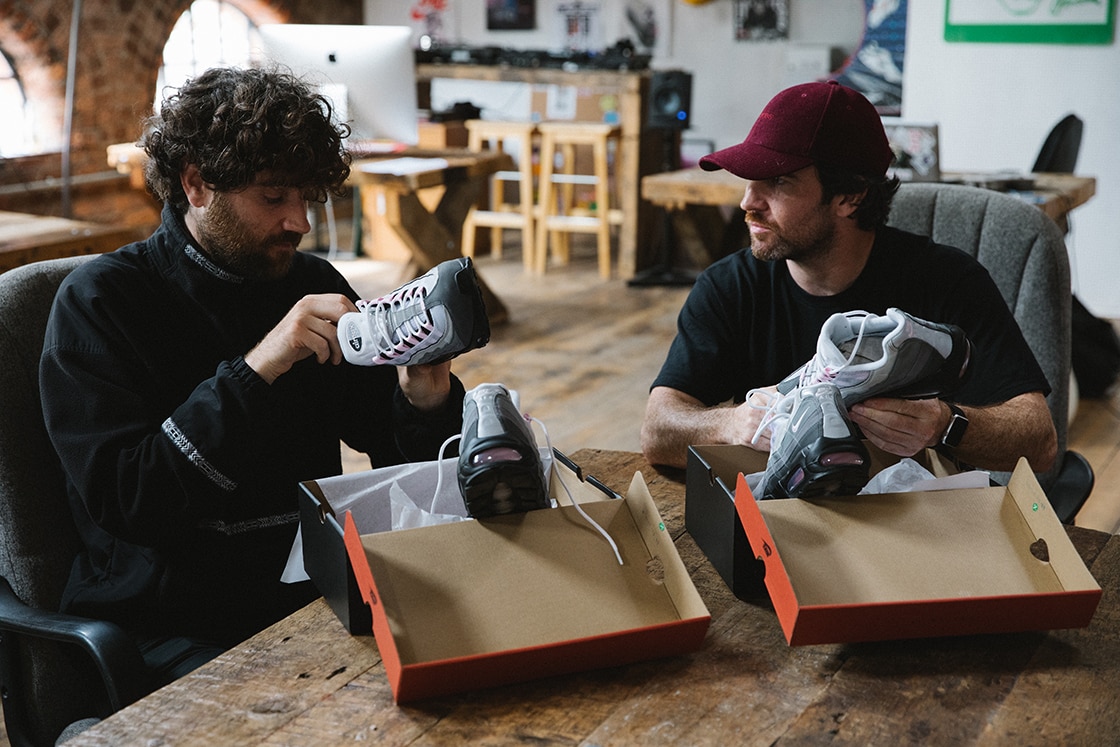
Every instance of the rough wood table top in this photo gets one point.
(305, 681)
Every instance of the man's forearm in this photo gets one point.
(999, 435)
(674, 421)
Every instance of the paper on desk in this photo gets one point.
(402, 166)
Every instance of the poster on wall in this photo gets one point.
(757, 20)
(434, 19)
(580, 26)
(508, 15)
(647, 24)
(875, 68)
(1030, 21)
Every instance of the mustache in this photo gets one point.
(752, 216)
(287, 237)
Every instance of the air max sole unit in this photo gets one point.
(499, 469)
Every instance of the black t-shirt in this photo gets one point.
(747, 324)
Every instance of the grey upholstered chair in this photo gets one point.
(1025, 254)
(55, 669)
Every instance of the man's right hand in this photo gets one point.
(309, 329)
(675, 420)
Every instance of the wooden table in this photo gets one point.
(28, 238)
(305, 681)
(432, 235)
(699, 200)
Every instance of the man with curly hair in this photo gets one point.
(191, 380)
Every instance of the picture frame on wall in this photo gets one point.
(1030, 21)
(511, 15)
(761, 20)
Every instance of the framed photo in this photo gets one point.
(1030, 21)
(760, 20)
(511, 15)
(916, 152)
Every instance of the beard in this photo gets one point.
(807, 241)
(234, 246)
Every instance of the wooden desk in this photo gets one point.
(432, 235)
(28, 238)
(305, 681)
(698, 199)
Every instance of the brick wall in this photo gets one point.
(120, 44)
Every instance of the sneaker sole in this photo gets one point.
(825, 467)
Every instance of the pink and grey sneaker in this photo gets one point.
(431, 319)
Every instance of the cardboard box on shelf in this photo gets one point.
(473, 604)
(895, 565)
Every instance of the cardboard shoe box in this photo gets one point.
(909, 565)
(479, 603)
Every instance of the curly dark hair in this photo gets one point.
(874, 208)
(235, 123)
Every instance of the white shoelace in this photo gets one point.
(819, 372)
(379, 315)
(779, 407)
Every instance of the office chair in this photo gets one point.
(1025, 254)
(55, 669)
(1061, 147)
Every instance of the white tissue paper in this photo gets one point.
(403, 496)
(903, 477)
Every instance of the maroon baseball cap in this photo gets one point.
(821, 122)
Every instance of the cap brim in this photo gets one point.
(754, 162)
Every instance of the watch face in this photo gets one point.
(955, 432)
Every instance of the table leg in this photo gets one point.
(434, 236)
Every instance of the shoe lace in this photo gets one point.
(778, 408)
(819, 371)
(392, 336)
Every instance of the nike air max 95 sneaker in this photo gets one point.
(895, 355)
(500, 470)
(814, 449)
(431, 319)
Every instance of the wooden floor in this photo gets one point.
(582, 353)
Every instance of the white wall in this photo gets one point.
(994, 103)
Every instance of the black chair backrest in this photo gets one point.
(38, 540)
(1061, 147)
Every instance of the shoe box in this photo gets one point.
(889, 566)
(479, 603)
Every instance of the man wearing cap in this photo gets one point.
(816, 200)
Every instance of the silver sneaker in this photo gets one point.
(431, 319)
(895, 355)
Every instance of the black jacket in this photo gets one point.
(182, 464)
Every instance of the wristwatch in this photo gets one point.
(958, 424)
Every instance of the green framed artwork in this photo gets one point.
(1030, 21)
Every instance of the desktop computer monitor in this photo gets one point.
(368, 73)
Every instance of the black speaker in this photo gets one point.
(670, 100)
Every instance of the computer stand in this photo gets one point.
(664, 273)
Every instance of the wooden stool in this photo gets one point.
(482, 134)
(558, 216)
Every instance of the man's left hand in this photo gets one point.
(899, 426)
(426, 387)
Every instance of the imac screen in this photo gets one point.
(368, 73)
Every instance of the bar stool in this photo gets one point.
(558, 214)
(483, 134)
